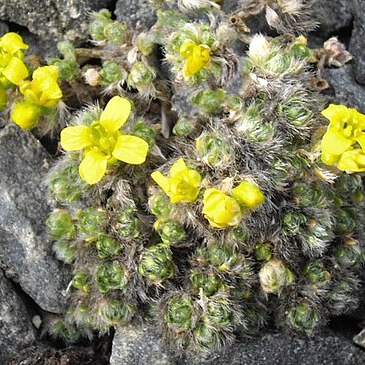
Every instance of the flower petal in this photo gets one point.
(335, 112)
(335, 143)
(92, 168)
(116, 113)
(361, 141)
(75, 138)
(131, 149)
(12, 42)
(162, 181)
(15, 71)
(178, 167)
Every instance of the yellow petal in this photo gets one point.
(45, 72)
(12, 42)
(116, 113)
(335, 112)
(25, 115)
(75, 138)
(329, 159)
(162, 181)
(131, 149)
(92, 168)
(361, 141)
(178, 167)
(248, 194)
(15, 71)
(335, 143)
(187, 48)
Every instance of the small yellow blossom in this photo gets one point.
(12, 67)
(248, 194)
(103, 143)
(343, 144)
(183, 185)
(197, 57)
(220, 209)
(25, 115)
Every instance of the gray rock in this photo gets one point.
(16, 331)
(359, 339)
(133, 11)
(357, 48)
(332, 15)
(52, 19)
(139, 345)
(347, 90)
(25, 252)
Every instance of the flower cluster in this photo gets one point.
(343, 144)
(103, 143)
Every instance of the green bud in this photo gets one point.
(208, 282)
(107, 246)
(350, 254)
(115, 311)
(274, 276)
(308, 195)
(183, 127)
(83, 316)
(348, 184)
(263, 252)
(300, 51)
(110, 276)
(253, 126)
(146, 43)
(81, 281)
(67, 68)
(205, 336)
(110, 73)
(170, 231)
(292, 223)
(160, 205)
(141, 74)
(211, 101)
(213, 149)
(234, 103)
(3, 98)
(303, 317)
(68, 333)
(219, 313)
(316, 273)
(128, 224)
(344, 222)
(91, 222)
(144, 131)
(155, 263)
(220, 256)
(65, 251)
(116, 33)
(97, 26)
(239, 234)
(60, 225)
(179, 312)
(67, 49)
(295, 112)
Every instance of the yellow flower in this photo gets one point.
(12, 67)
(197, 57)
(183, 185)
(43, 90)
(353, 160)
(103, 143)
(345, 130)
(248, 194)
(25, 115)
(220, 209)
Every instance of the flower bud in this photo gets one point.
(205, 336)
(107, 246)
(183, 127)
(155, 263)
(110, 276)
(160, 205)
(146, 43)
(116, 33)
(316, 273)
(92, 77)
(144, 131)
(81, 281)
(170, 231)
(207, 282)
(248, 194)
(25, 115)
(274, 276)
(211, 101)
(97, 26)
(114, 311)
(263, 252)
(292, 223)
(219, 313)
(128, 224)
(213, 149)
(303, 317)
(110, 73)
(90, 222)
(60, 225)
(179, 312)
(141, 75)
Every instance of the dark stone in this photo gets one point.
(140, 345)
(52, 19)
(25, 252)
(346, 90)
(133, 11)
(357, 48)
(16, 330)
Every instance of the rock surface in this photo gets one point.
(25, 252)
(16, 331)
(52, 19)
(139, 345)
(357, 40)
(346, 90)
(134, 11)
